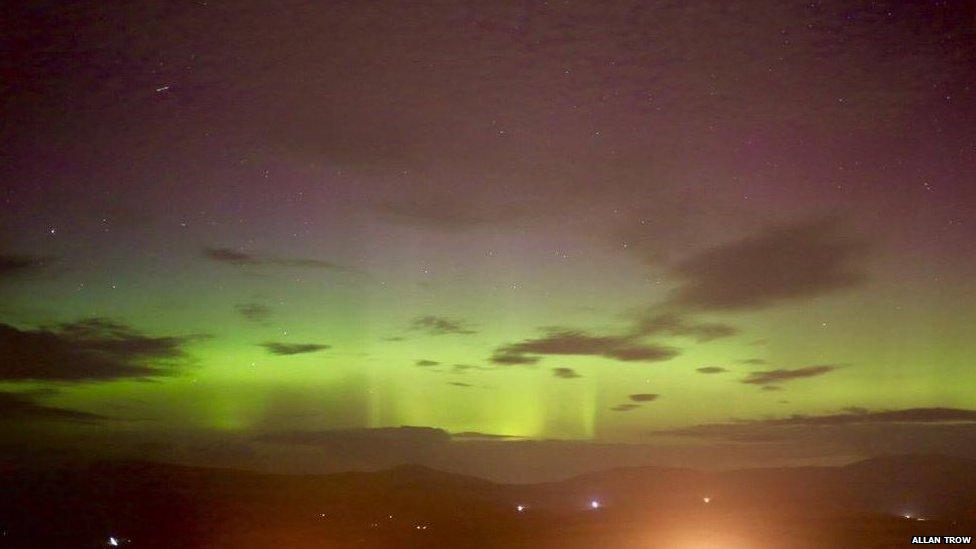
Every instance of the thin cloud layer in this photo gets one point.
(20, 406)
(367, 440)
(239, 258)
(773, 429)
(87, 350)
(13, 265)
(255, 312)
(771, 378)
(227, 255)
(477, 435)
(711, 370)
(644, 397)
(862, 415)
(426, 363)
(464, 368)
(673, 324)
(285, 349)
(445, 213)
(624, 407)
(781, 263)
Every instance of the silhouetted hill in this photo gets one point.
(161, 505)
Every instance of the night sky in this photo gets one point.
(510, 238)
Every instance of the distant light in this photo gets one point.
(520, 508)
(594, 504)
(906, 517)
(707, 499)
(113, 542)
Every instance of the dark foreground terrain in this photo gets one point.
(877, 503)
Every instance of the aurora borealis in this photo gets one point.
(308, 236)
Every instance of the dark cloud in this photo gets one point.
(239, 258)
(624, 407)
(424, 363)
(439, 325)
(781, 263)
(674, 324)
(629, 347)
(12, 265)
(565, 373)
(752, 361)
(711, 370)
(643, 397)
(513, 359)
(459, 384)
(21, 406)
(772, 377)
(277, 348)
(576, 342)
(255, 312)
(86, 350)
